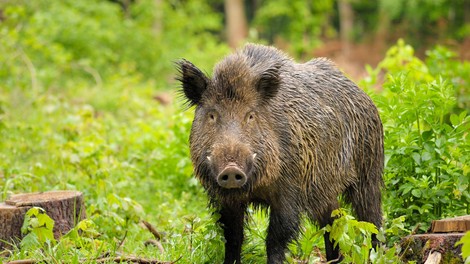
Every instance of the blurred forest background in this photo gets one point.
(352, 32)
(87, 102)
(145, 36)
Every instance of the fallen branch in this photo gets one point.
(22, 261)
(133, 260)
(130, 259)
(122, 241)
(156, 243)
(156, 234)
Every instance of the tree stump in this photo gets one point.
(456, 224)
(66, 208)
(439, 246)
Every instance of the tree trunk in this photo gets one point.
(158, 19)
(66, 208)
(382, 32)
(236, 25)
(420, 247)
(346, 21)
(439, 246)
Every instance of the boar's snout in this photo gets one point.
(231, 177)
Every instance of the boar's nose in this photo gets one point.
(231, 177)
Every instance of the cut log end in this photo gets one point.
(450, 225)
(26, 199)
(66, 208)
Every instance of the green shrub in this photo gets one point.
(46, 44)
(426, 144)
(77, 111)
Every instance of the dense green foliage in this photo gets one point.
(418, 18)
(77, 88)
(77, 111)
(426, 135)
(92, 40)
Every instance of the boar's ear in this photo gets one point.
(268, 83)
(193, 81)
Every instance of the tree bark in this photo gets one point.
(236, 25)
(346, 21)
(382, 32)
(66, 208)
(420, 247)
(158, 20)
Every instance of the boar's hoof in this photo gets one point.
(231, 177)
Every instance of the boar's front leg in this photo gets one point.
(231, 218)
(283, 228)
(332, 252)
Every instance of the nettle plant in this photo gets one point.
(427, 146)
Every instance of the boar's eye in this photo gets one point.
(212, 116)
(250, 116)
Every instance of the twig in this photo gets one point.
(128, 259)
(94, 73)
(134, 260)
(152, 230)
(156, 234)
(22, 261)
(407, 241)
(155, 243)
(32, 70)
(122, 241)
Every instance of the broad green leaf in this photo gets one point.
(30, 241)
(416, 193)
(465, 242)
(454, 120)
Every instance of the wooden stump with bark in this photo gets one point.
(439, 245)
(66, 208)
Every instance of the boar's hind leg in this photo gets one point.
(283, 228)
(231, 218)
(366, 201)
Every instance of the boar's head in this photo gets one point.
(233, 138)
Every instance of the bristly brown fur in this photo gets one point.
(301, 133)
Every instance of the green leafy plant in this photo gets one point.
(37, 228)
(465, 242)
(444, 62)
(426, 145)
(351, 236)
(354, 239)
(80, 243)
